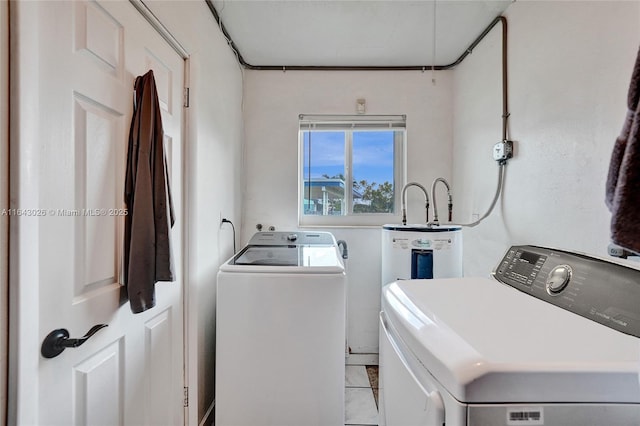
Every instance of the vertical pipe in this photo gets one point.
(505, 105)
(308, 174)
(505, 119)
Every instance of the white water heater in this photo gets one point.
(421, 251)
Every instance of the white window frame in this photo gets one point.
(350, 123)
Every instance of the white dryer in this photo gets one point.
(551, 340)
(280, 332)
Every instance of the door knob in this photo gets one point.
(58, 340)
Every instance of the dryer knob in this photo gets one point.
(292, 237)
(558, 279)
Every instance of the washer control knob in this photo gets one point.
(292, 237)
(558, 279)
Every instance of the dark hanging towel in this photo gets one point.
(623, 181)
(147, 246)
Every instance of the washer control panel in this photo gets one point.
(281, 238)
(605, 292)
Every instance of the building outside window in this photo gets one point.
(351, 169)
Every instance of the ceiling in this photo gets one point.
(354, 33)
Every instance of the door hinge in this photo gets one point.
(186, 397)
(186, 98)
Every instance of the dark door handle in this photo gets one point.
(58, 340)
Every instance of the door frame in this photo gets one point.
(4, 204)
(189, 316)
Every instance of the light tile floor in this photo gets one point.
(360, 405)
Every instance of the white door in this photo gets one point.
(74, 69)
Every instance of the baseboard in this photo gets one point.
(361, 359)
(208, 419)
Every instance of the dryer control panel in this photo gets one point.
(603, 291)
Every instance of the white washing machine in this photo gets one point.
(552, 339)
(280, 332)
(421, 251)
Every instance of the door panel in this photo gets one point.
(98, 186)
(158, 362)
(74, 113)
(98, 35)
(98, 387)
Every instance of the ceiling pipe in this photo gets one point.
(505, 87)
(423, 68)
(230, 42)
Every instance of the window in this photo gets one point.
(351, 169)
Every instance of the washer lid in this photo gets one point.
(286, 259)
(489, 343)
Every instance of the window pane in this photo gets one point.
(373, 188)
(323, 173)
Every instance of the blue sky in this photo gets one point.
(372, 155)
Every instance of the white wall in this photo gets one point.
(214, 174)
(273, 101)
(569, 65)
(569, 68)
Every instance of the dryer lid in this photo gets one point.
(489, 343)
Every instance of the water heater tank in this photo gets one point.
(420, 251)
